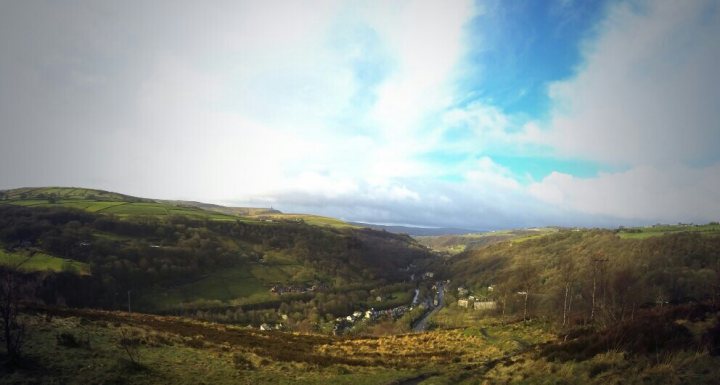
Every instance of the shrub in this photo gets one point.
(70, 340)
(242, 363)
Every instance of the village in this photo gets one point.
(343, 324)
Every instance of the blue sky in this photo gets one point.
(476, 114)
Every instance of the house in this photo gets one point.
(357, 314)
(265, 327)
(429, 274)
(462, 292)
(485, 305)
(463, 303)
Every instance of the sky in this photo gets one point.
(472, 114)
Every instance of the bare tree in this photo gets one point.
(598, 273)
(568, 273)
(10, 296)
(526, 275)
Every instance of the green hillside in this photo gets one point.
(584, 274)
(127, 206)
(454, 244)
(35, 262)
(177, 258)
(632, 305)
(98, 201)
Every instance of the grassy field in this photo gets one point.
(86, 346)
(231, 286)
(68, 193)
(127, 206)
(127, 209)
(220, 287)
(74, 346)
(316, 220)
(29, 261)
(659, 230)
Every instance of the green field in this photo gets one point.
(231, 286)
(315, 220)
(659, 230)
(127, 206)
(214, 289)
(128, 209)
(29, 261)
(67, 193)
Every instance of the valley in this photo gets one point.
(116, 289)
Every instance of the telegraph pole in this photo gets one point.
(129, 308)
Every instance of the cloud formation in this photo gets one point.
(646, 98)
(360, 110)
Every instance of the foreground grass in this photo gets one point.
(83, 346)
(88, 346)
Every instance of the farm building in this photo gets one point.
(485, 305)
(463, 303)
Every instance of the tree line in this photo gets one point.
(591, 276)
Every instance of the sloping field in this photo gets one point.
(28, 261)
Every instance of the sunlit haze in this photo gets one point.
(480, 115)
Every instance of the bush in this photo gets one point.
(70, 340)
(242, 363)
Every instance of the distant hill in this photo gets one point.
(589, 274)
(461, 242)
(242, 211)
(414, 231)
(191, 256)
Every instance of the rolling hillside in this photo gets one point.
(176, 257)
(454, 244)
(592, 275)
(636, 305)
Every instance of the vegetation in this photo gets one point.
(170, 349)
(631, 305)
(156, 257)
(591, 276)
(30, 261)
(454, 244)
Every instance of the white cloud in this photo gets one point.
(648, 91)
(646, 194)
(328, 107)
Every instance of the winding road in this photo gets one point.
(421, 324)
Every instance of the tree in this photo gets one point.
(568, 274)
(13, 329)
(526, 274)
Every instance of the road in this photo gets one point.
(421, 325)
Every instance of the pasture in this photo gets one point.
(711, 229)
(35, 261)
